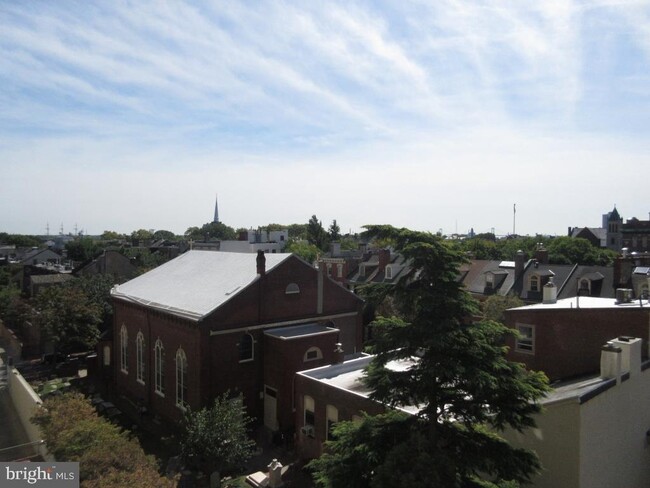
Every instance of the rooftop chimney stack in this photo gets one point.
(610, 362)
(261, 263)
(520, 259)
(550, 292)
(630, 355)
(339, 355)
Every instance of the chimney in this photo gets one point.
(550, 292)
(384, 259)
(631, 353)
(541, 254)
(335, 248)
(610, 362)
(339, 355)
(261, 263)
(520, 260)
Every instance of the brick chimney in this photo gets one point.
(541, 254)
(384, 259)
(610, 362)
(520, 260)
(261, 263)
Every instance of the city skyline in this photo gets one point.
(433, 117)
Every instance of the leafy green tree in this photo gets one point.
(20, 240)
(141, 235)
(298, 231)
(495, 306)
(107, 457)
(216, 438)
(164, 234)
(334, 231)
(316, 234)
(83, 249)
(97, 288)
(110, 235)
(211, 230)
(349, 244)
(306, 251)
(68, 318)
(458, 377)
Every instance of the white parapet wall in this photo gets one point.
(27, 402)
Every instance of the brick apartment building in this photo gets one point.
(208, 322)
(563, 337)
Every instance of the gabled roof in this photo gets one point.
(196, 283)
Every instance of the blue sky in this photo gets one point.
(430, 115)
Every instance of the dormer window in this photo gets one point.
(292, 289)
(489, 280)
(584, 286)
(534, 283)
(389, 273)
(362, 271)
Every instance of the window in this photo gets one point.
(124, 340)
(489, 280)
(159, 366)
(526, 340)
(332, 419)
(309, 410)
(534, 283)
(107, 355)
(584, 286)
(389, 273)
(312, 354)
(339, 270)
(291, 289)
(329, 269)
(139, 352)
(246, 351)
(181, 378)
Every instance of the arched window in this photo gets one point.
(139, 352)
(312, 354)
(246, 348)
(181, 378)
(159, 367)
(291, 289)
(534, 283)
(107, 355)
(124, 340)
(332, 419)
(585, 286)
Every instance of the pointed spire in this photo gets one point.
(216, 209)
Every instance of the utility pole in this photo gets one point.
(514, 218)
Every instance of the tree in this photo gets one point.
(306, 251)
(107, 457)
(297, 231)
(68, 318)
(83, 249)
(457, 376)
(316, 234)
(334, 231)
(216, 438)
(495, 306)
(111, 235)
(97, 288)
(164, 234)
(141, 235)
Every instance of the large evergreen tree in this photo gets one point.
(459, 378)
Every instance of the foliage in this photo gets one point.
(349, 244)
(458, 376)
(316, 234)
(110, 235)
(272, 227)
(216, 438)
(334, 231)
(495, 306)
(297, 231)
(211, 230)
(145, 260)
(306, 251)
(97, 289)
(68, 318)
(107, 456)
(20, 240)
(83, 249)
(568, 250)
(164, 234)
(141, 235)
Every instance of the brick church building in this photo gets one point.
(208, 322)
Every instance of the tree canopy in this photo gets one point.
(455, 373)
(216, 438)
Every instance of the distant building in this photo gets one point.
(252, 241)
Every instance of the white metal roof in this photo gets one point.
(586, 303)
(196, 283)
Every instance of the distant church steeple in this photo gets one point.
(216, 210)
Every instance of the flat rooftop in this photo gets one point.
(586, 302)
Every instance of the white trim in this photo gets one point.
(519, 342)
(280, 324)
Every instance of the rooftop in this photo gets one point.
(196, 283)
(586, 302)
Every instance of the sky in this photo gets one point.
(436, 116)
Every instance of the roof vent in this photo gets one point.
(623, 295)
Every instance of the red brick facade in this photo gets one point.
(211, 345)
(567, 341)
